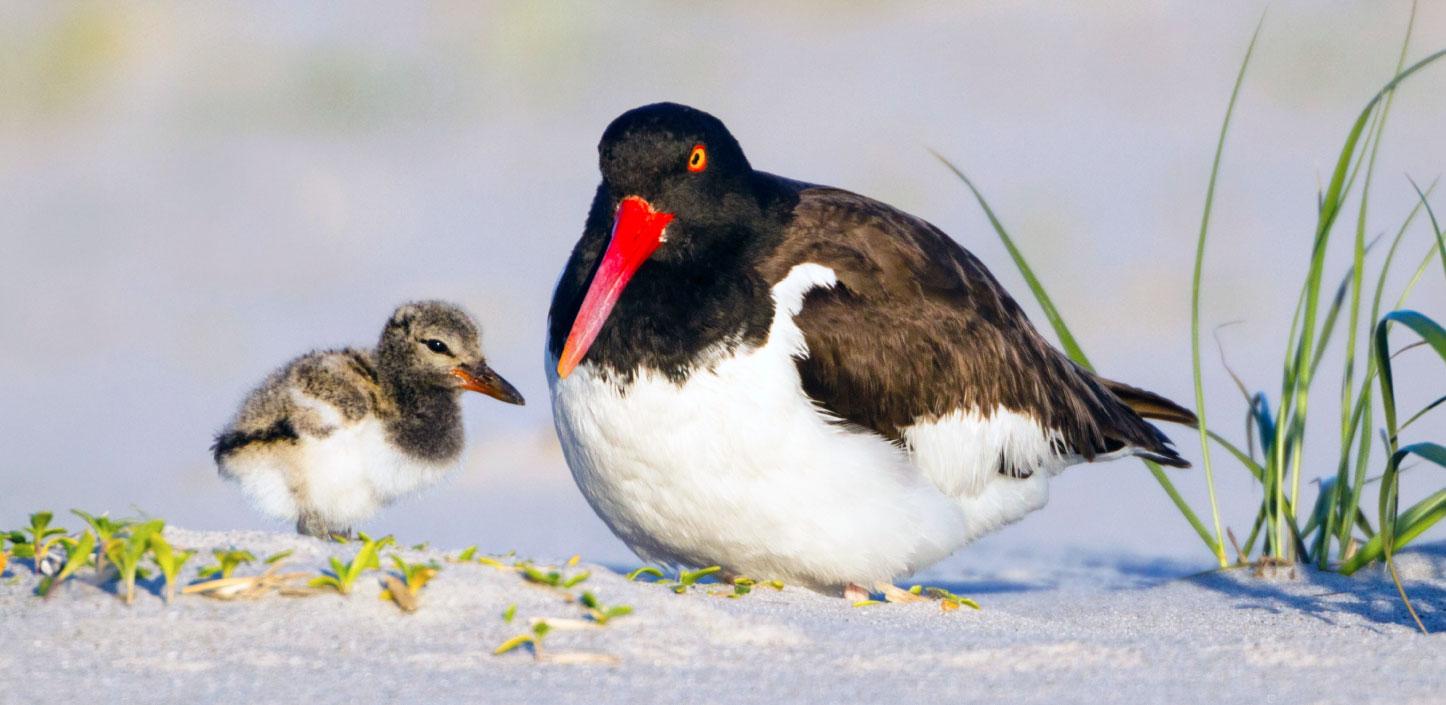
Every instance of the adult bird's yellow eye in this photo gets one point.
(698, 159)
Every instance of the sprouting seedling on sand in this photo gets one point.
(551, 578)
(647, 570)
(77, 554)
(169, 561)
(948, 601)
(127, 555)
(532, 638)
(108, 531)
(344, 575)
(404, 590)
(602, 613)
(35, 541)
(688, 578)
(743, 585)
(227, 560)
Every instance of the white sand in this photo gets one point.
(1053, 629)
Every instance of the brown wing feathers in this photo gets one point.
(917, 328)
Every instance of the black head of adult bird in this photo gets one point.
(333, 436)
(797, 382)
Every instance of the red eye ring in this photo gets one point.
(698, 159)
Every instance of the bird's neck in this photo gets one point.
(674, 317)
(428, 420)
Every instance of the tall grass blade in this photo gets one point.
(1056, 321)
(1348, 372)
(1296, 390)
(1422, 412)
(1363, 417)
(1435, 226)
(1410, 524)
(1195, 298)
(1435, 336)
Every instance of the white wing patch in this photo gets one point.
(788, 301)
(962, 451)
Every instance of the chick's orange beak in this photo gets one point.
(637, 232)
(481, 378)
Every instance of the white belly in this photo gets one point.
(737, 468)
(344, 477)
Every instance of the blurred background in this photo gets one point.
(193, 193)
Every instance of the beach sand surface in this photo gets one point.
(1053, 628)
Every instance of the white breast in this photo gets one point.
(345, 476)
(737, 467)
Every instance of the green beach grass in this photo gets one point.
(1336, 533)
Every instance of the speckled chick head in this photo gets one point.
(425, 340)
(436, 345)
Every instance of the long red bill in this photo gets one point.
(637, 232)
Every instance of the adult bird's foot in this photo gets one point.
(853, 592)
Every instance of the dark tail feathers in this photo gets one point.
(1151, 405)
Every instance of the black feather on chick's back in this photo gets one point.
(230, 441)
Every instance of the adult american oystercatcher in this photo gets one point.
(793, 381)
(333, 436)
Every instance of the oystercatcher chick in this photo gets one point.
(335, 435)
(797, 382)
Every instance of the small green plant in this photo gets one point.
(415, 575)
(510, 613)
(344, 575)
(646, 570)
(403, 590)
(465, 556)
(169, 561)
(948, 601)
(277, 557)
(35, 541)
(126, 555)
(743, 585)
(227, 561)
(107, 532)
(531, 638)
(602, 613)
(77, 554)
(551, 578)
(688, 578)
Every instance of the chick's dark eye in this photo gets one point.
(437, 346)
